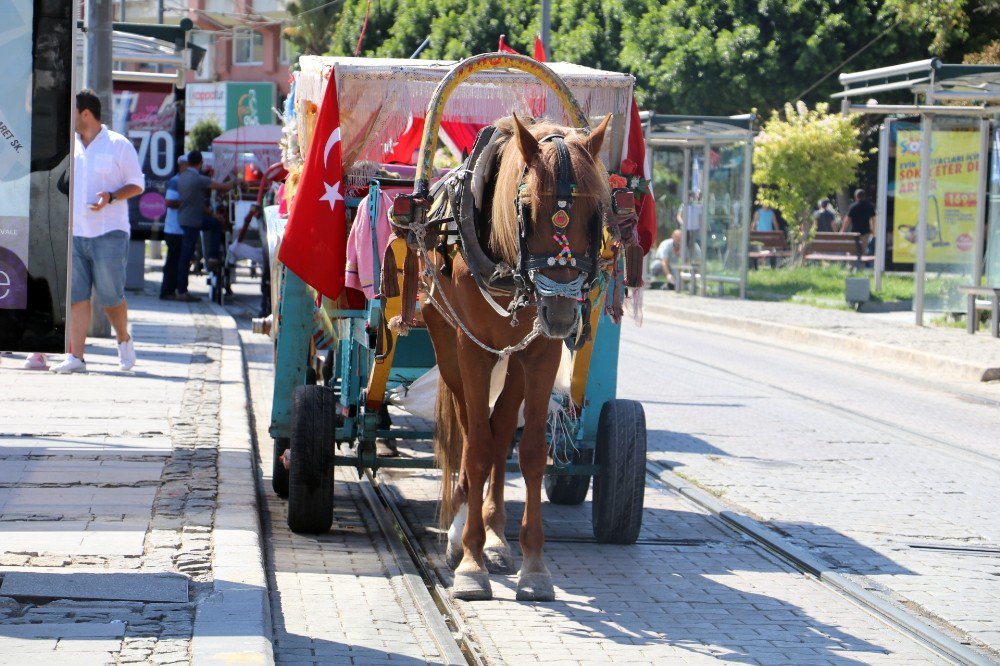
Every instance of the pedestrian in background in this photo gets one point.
(195, 216)
(763, 219)
(824, 216)
(173, 234)
(106, 173)
(860, 219)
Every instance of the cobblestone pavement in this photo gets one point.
(690, 591)
(887, 478)
(113, 472)
(339, 597)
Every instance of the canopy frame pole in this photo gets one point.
(706, 186)
(926, 131)
(882, 204)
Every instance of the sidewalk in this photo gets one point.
(888, 339)
(128, 520)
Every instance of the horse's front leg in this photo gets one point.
(503, 423)
(472, 581)
(535, 582)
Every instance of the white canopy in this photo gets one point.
(379, 96)
(261, 140)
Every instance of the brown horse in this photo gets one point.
(471, 439)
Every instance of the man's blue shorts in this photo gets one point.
(99, 262)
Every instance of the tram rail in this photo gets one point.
(907, 623)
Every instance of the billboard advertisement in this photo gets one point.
(231, 105)
(147, 119)
(15, 156)
(952, 200)
(35, 114)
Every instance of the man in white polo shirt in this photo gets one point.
(106, 173)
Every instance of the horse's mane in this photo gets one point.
(589, 174)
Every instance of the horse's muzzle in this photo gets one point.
(558, 316)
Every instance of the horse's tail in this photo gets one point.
(447, 450)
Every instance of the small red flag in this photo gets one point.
(539, 49)
(502, 45)
(315, 243)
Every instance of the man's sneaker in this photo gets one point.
(36, 362)
(126, 355)
(71, 364)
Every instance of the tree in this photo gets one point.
(802, 158)
(312, 25)
(202, 134)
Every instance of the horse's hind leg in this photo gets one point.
(472, 581)
(503, 423)
(541, 361)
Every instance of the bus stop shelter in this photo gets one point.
(713, 155)
(941, 179)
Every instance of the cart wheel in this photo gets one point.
(621, 482)
(310, 479)
(279, 475)
(570, 489)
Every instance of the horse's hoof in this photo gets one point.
(473, 586)
(499, 560)
(535, 587)
(453, 556)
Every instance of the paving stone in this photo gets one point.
(111, 586)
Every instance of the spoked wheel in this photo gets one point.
(570, 489)
(279, 475)
(310, 479)
(621, 482)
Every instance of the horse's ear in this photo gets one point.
(526, 143)
(594, 142)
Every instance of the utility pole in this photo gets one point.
(121, 10)
(97, 77)
(546, 26)
(98, 56)
(159, 11)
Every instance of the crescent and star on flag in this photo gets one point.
(332, 195)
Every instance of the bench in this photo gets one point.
(769, 245)
(991, 301)
(835, 246)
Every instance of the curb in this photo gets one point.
(233, 624)
(830, 342)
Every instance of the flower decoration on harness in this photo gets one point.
(565, 255)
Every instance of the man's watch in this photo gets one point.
(111, 197)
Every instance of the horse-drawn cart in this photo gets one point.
(332, 413)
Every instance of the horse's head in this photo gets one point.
(548, 212)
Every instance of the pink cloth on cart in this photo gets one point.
(360, 269)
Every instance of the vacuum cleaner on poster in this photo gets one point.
(952, 199)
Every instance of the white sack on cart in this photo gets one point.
(243, 251)
(419, 397)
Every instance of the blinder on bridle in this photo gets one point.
(528, 276)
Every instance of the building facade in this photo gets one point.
(242, 38)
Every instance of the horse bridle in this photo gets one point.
(528, 276)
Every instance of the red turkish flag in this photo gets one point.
(502, 45)
(315, 243)
(636, 163)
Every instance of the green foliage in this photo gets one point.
(709, 57)
(312, 25)
(801, 158)
(202, 134)
(822, 286)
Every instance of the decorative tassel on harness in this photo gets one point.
(622, 225)
(390, 272)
